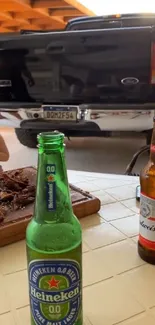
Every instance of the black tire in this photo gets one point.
(26, 137)
(148, 136)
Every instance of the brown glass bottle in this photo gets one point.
(146, 242)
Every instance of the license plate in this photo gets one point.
(60, 113)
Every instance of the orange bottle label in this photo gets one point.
(147, 222)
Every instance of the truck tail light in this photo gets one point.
(153, 64)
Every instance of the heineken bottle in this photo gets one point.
(54, 242)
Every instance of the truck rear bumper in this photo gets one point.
(47, 125)
(94, 119)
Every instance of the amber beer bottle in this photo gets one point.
(146, 242)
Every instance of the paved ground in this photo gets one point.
(109, 155)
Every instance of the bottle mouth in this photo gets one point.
(47, 138)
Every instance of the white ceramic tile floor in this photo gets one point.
(22, 316)
(111, 183)
(4, 302)
(18, 297)
(109, 308)
(135, 239)
(128, 226)
(85, 247)
(142, 319)
(104, 197)
(91, 273)
(7, 319)
(124, 193)
(132, 204)
(114, 211)
(91, 221)
(90, 187)
(102, 235)
(11, 263)
(141, 283)
(118, 257)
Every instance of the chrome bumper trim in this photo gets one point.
(103, 118)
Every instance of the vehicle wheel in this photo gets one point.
(149, 136)
(26, 137)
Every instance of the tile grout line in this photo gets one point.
(131, 317)
(14, 316)
(109, 221)
(122, 232)
(128, 207)
(5, 313)
(115, 276)
(14, 272)
(18, 308)
(113, 243)
(107, 245)
(132, 269)
(89, 321)
(94, 283)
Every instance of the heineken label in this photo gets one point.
(55, 291)
(50, 187)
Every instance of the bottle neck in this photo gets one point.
(152, 148)
(53, 203)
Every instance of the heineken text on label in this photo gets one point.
(51, 187)
(147, 222)
(55, 291)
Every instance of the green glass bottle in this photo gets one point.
(54, 242)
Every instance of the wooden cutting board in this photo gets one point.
(14, 225)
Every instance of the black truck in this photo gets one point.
(97, 75)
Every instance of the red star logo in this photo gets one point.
(50, 178)
(53, 283)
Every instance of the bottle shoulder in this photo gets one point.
(147, 180)
(149, 169)
(54, 237)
